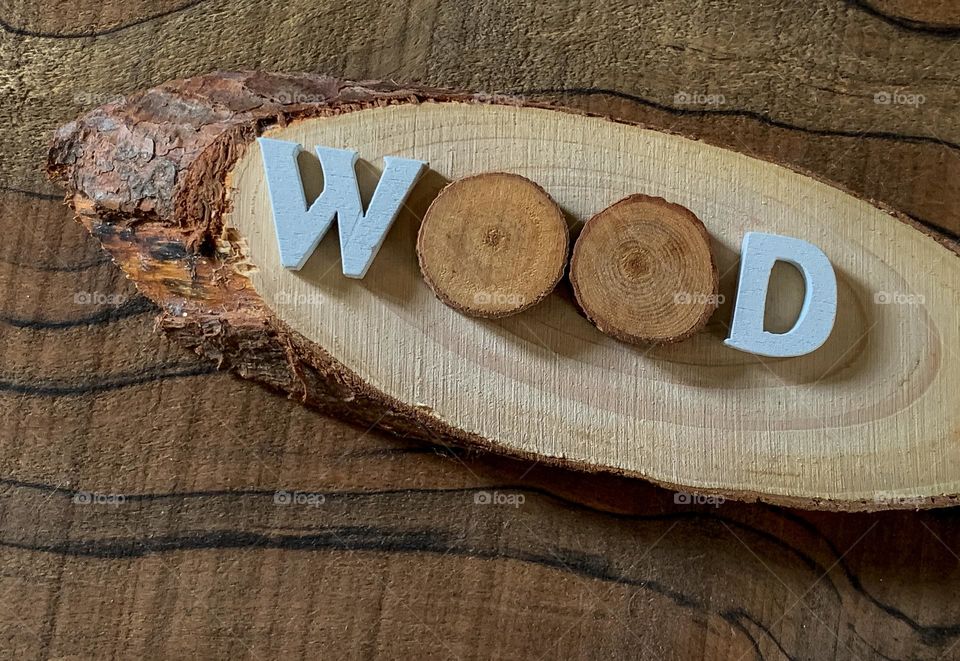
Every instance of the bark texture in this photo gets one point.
(147, 177)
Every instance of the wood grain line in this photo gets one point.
(63, 388)
(933, 29)
(32, 194)
(132, 307)
(931, 635)
(343, 533)
(59, 268)
(739, 112)
(941, 30)
(8, 27)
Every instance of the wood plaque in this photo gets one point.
(171, 182)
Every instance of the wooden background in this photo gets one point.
(190, 556)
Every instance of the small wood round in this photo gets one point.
(493, 244)
(642, 271)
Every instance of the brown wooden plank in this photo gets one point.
(762, 582)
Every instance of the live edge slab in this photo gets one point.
(171, 183)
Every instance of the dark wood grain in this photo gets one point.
(399, 561)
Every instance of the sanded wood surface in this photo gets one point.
(838, 428)
(404, 559)
(643, 271)
(492, 244)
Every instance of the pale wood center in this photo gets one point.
(877, 408)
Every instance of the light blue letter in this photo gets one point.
(759, 253)
(300, 229)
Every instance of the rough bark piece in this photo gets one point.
(642, 271)
(170, 183)
(493, 244)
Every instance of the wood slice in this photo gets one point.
(642, 271)
(172, 185)
(493, 244)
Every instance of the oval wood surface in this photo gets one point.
(873, 412)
